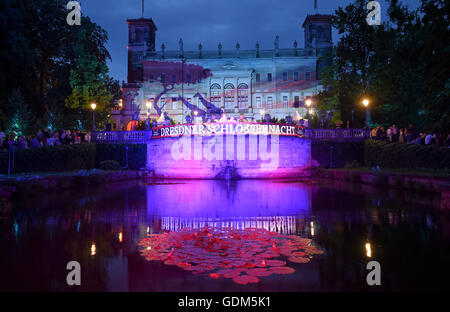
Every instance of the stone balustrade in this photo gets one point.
(337, 134)
(116, 137)
(137, 137)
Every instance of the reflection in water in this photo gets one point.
(100, 227)
(368, 250)
(243, 255)
(93, 249)
(279, 224)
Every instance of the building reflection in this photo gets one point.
(101, 229)
(279, 224)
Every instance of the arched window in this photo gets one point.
(243, 95)
(229, 95)
(216, 94)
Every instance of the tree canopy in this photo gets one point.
(402, 66)
(57, 69)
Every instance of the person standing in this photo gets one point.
(373, 133)
(401, 137)
(394, 133)
(22, 143)
(428, 138)
(389, 134)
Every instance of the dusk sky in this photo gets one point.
(209, 22)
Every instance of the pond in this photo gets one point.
(206, 235)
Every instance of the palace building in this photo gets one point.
(249, 83)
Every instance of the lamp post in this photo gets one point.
(93, 106)
(262, 115)
(366, 102)
(149, 105)
(308, 103)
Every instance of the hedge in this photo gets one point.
(136, 154)
(335, 154)
(395, 155)
(74, 157)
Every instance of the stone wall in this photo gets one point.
(229, 157)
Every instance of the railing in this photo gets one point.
(130, 137)
(337, 134)
(136, 137)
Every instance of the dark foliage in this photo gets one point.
(394, 155)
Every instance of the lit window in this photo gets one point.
(174, 103)
(258, 102)
(216, 94)
(229, 95)
(243, 95)
(269, 102)
(285, 101)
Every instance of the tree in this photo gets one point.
(48, 60)
(434, 51)
(401, 65)
(89, 75)
(21, 117)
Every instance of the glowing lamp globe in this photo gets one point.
(93, 106)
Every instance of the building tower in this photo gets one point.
(318, 38)
(318, 33)
(141, 41)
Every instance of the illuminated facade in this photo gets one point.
(236, 82)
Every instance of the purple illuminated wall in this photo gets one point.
(265, 157)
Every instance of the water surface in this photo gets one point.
(100, 227)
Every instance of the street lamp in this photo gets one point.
(93, 106)
(366, 103)
(308, 103)
(262, 114)
(149, 105)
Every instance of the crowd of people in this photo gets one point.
(43, 138)
(409, 135)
